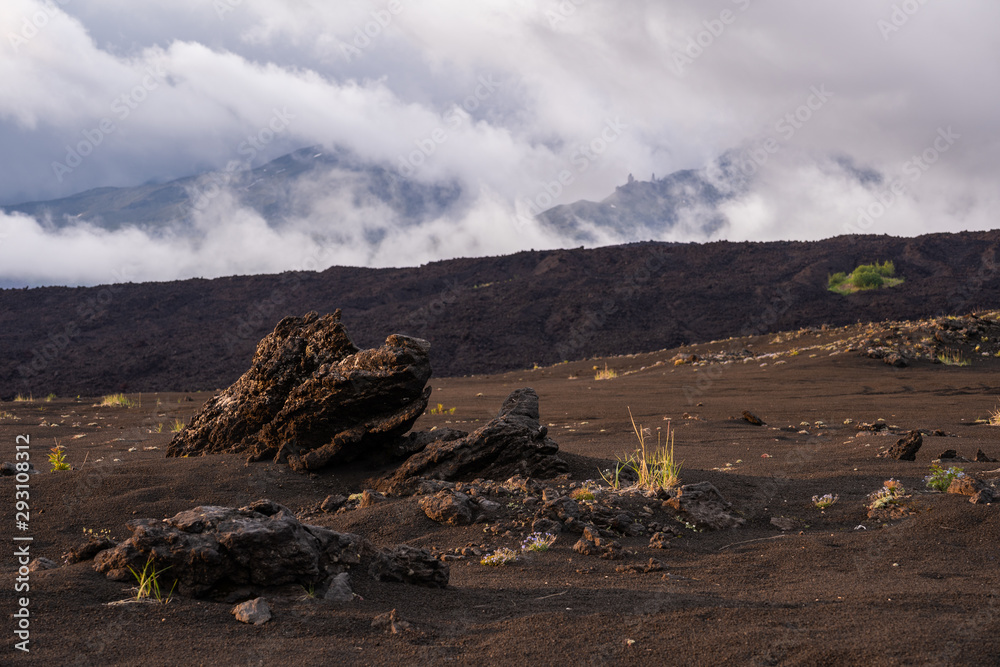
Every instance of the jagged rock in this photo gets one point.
(653, 565)
(312, 399)
(983, 496)
(42, 563)
(89, 549)
(410, 565)
(660, 540)
(544, 525)
(448, 507)
(983, 458)
(252, 611)
(905, 449)
(339, 589)
(511, 442)
(951, 456)
(966, 485)
(752, 418)
(209, 550)
(703, 506)
(370, 497)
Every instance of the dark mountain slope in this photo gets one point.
(481, 315)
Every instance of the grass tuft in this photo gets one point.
(116, 401)
(606, 374)
(177, 427)
(149, 583)
(953, 358)
(650, 468)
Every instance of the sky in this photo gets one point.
(525, 103)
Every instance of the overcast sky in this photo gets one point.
(505, 93)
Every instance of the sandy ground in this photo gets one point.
(839, 589)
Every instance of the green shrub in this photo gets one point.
(836, 279)
(867, 279)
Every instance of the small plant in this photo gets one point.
(21, 398)
(103, 533)
(57, 458)
(940, 479)
(177, 427)
(310, 593)
(606, 374)
(825, 501)
(538, 542)
(159, 428)
(864, 277)
(500, 557)
(952, 358)
(6, 415)
(149, 583)
(651, 468)
(582, 494)
(50, 398)
(116, 401)
(891, 494)
(441, 410)
(994, 417)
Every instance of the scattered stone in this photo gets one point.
(783, 523)
(752, 418)
(369, 498)
(86, 551)
(513, 441)
(983, 496)
(546, 526)
(660, 540)
(983, 458)
(390, 623)
(410, 565)
(449, 507)
(312, 399)
(339, 589)
(703, 506)
(653, 565)
(254, 611)
(905, 449)
(951, 456)
(42, 563)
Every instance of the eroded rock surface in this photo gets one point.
(312, 399)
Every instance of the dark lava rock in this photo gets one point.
(546, 526)
(390, 623)
(211, 550)
(448, 507)
(905, 449)
(42, 563)
(511, 442)
(783, 523)
(410, 565)
(752, 418)
(89, 549)
(983, 458)
(660, 540)
(255, 612)
(312, 399)
(951, 456)
(983, 496)
(703, 506)
(333, 503)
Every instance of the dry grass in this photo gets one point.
(116, 401)
(652, 467)
(606, 374)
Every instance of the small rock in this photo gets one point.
(952, 456)
(981, 457)
(905, 449)
(252, 611)
(339, 589)
(983, 496)
(390, 623)
(42, 564)
(784, 523)
(88, 550)
(333, 503)
(752, 418)
(410, 565)
(369, 498)
(660, 541)
(546, 526)
(653, 565)
(449, 507)
(966, 485)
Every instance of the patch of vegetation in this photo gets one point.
(116, 401)
(891, 494)
(953, 358)
(825, 501)
(51, 397)
(500, 557)
(606, 374)
(582, 494)
(650, 468)
(57, 458)
(177, 427)
(538, 542)
(940, 479)
(149, 583)
(441, 410)
(994, 417)
(864, 277)
(21, 398)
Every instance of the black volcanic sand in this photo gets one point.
(920, 590)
